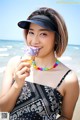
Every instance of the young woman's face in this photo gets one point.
(42, 38)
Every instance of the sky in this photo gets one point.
(13, 11)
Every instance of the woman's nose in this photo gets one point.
(35, 39)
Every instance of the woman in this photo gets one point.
(45, 89)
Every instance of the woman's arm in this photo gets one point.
(7, 101)
(9, 74)
(71, 90)
(63, 118)
(10, 92)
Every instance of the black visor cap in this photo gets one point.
(40, 20)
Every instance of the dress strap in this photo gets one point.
(63, 78)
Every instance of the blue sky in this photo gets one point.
(12, 11)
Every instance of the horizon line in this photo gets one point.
(23, 41)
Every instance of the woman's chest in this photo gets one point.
(47, 78)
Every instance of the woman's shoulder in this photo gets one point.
(70, 74)
(14, 59)
(71, 78)
(13, 62)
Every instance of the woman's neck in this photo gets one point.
(46, 61)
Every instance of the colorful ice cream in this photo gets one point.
(30, 53)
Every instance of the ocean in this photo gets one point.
(11, 48)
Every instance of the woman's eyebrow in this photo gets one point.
(39, 29)
(43, 30)
(31, 29)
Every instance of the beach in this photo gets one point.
(71, 58)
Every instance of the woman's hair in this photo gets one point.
(61, 37)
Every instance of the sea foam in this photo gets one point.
(3, 49)
(2, 69)
(4, 54)
(68, 58)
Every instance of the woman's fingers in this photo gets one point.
(24, 70)
(21, 72)
(22, 64)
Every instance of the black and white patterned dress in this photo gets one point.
(37, 102)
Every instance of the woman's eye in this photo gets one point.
(43, 34)
(31, 33)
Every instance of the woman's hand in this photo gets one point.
(21, 72)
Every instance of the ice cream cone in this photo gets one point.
(30, 54)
